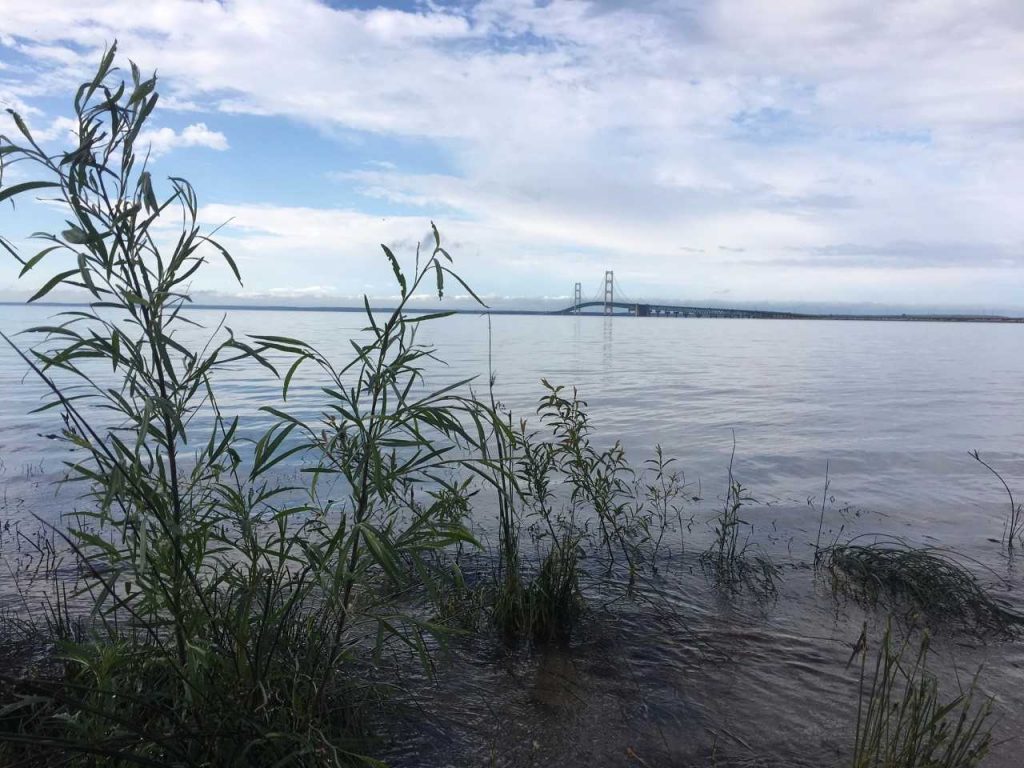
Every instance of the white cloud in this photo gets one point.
(625, 132)
(163, 140)
(61, 129)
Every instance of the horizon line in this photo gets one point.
(741, 314)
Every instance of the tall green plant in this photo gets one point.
(385, 436)
(157, 493)
(579, 503)
(729, 559)
(222, 614)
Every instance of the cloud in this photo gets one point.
(163, 140)
(912, 255)
(832, 145)
(63, 130)
(275, 244)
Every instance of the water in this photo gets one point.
(680, 675)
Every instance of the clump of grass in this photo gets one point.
(731, 560)
(902, 719)
(553, 600)
(924, 582)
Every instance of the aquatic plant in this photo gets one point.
(222, 618)
(225, 610)
(542, 601)
(497, 466)
(903, 720)
(579, 504)
(924, 583)
(1013, 528)
(730, 560)
(661, 489)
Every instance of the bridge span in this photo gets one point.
(637, 309)
(609, 300)
(613, 302)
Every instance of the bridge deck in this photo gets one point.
(672, 310)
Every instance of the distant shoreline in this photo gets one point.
(699, 313)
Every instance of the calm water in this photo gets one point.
(680, 676)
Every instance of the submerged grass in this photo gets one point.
(919, 582)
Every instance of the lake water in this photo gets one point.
(892, 408)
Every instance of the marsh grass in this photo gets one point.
(921, 583)
(903, 721)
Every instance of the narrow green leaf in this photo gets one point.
(369, 314)
(394, 265)
(142, 91)
(86, 273)
(52, 283)
(288, 340)
(284, 416)
(36, 259)
(429, 316)
(469, 290)
(148, 196)
(27, 186)
(288, 376)
(21, 126)
(227, 257)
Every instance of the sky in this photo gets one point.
(834, 152)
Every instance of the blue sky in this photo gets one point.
(819, 151)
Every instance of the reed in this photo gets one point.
(903, 721)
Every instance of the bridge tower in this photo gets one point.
(609, 291)
(577, 298)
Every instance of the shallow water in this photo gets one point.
(678, 673)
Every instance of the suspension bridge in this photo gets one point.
(610, 300)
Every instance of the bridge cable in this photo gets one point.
(620, 295)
